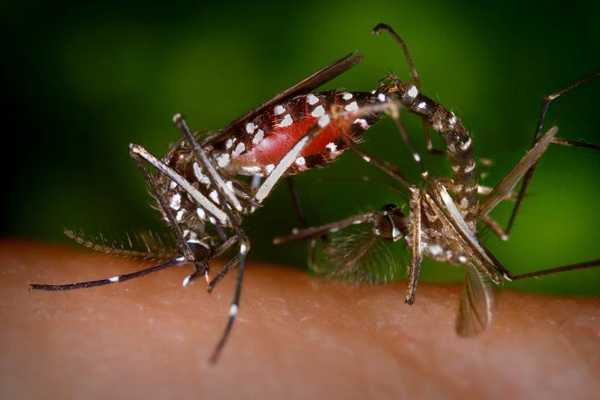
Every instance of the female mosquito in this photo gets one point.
(204, 186)
(444, 213)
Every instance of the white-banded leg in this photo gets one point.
(235, 302)
(546, 101)
(263, 191)
(113, 279)
(226, 195)
(167, 171)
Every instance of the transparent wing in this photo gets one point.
(356, 254)
(147, 245)
(476, 304)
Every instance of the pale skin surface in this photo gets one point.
(297, 337)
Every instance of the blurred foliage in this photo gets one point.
(83, 80)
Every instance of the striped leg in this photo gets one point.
(113, 279)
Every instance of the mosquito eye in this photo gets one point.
(389, 207)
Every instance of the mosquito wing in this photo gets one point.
(307, 84)
(355, 254)
(476, 304)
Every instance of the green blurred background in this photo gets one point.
(82, 81)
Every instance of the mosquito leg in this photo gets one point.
(383, 166)
(217, 181)
(167, 171)
(407, 56)
(414, 269)
(414, 78)
(555, 270)
(296, 201)
(495, 227)
(235, 303)
(290, 157)
(108, 281)
(538, 132)
(575, 143)
(154, 191)
(226, 268)
(429, 141)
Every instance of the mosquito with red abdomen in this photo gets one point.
(444, 213)
(205, 186)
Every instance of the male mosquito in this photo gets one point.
(444, 213)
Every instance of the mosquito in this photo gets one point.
(204, 186)
(444, 212)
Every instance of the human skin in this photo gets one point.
(297, 336)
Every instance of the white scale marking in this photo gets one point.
(362, 122)
(180, 215)
(201, 213)
(229, 143)
(286, 121)
(352, 107)
(269, 168)
(250, 127)
(214, 196)
(199, 175)
(324, 121)
(332, 147)
(469, 168)
(233, 310)
(223, 160)
(172, 185)
(346, 96)
(422, 105)
(435, 249)
(278, 110)
(258, 136)
(311, 99)
(300, 161)
(114, 278)
(252, 169)
(239, 149)
(175, 202)
(318, 112)
(466, 144)
(413, 92)
(381, 97)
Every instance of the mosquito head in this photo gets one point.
(391, 223)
